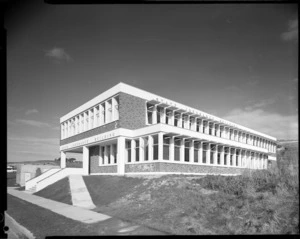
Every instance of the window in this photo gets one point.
(86, 121)
(166, 147)
(137, 150)
(150, 109)
(102, 153)
(186, 151)
(108, 153)
(177, 149)
(155, 147)
(168, 116)
(198, 125)
(128, 150)
(158, 114)
(225, 156)
(237, 159)
(210, 128)
(205, 146)
(182, 121)
(219, 157)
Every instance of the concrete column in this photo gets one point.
(141, 151)
(121, 155)
(206, 128)
(228, 157)
(222, 155)
(172, 148)
(193, 124)
(112, 157)
(186, 122)
(150, 148)
(234, 157)
(182, 150)
(85, 160)
(160, 146)
(208, 153)
(201, 126)
(105, 155)
(215, 162)
(100, 155)
(213, 129)
(154, 115)
(218, 131)
(133, 150)
(240, 158)
(171, 119)
(63, 159)
(163, 115)
(191, 151)
(90, 118)
(180, 120)
(200, 153)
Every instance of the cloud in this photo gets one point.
(292, 33)
(273, 124)
(260, 104)
(33, 123)
(35, 140)
(32, 111)
(58, 54)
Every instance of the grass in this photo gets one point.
(59, 191)
(105, 189)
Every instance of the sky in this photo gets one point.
(235, 61)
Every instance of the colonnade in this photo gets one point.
(179, 118)
(196, 151)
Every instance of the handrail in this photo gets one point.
(51, 175)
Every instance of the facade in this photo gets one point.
(126, 130)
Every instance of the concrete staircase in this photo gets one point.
(49, 177)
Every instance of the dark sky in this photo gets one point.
(237, 61)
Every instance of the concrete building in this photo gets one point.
(26, 172)
(126, 130)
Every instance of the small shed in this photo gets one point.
(26, 172)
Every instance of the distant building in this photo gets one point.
(126, 130)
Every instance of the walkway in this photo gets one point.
(79, 193)
(106, 225)
(75, 213)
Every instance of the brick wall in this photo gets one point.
(179, 168)
(92, 132)
(94, 162)
(132, 111)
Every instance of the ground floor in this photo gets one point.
(161, 152)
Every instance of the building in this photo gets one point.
(26, 172)
(126, 130)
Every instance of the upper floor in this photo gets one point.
(132, 108)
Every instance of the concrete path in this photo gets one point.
(79, 193)
(69, 211)
(107, 225)
(16, 230)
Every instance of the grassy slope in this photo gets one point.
(260, 203)
(105, 189)
(59, 191)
